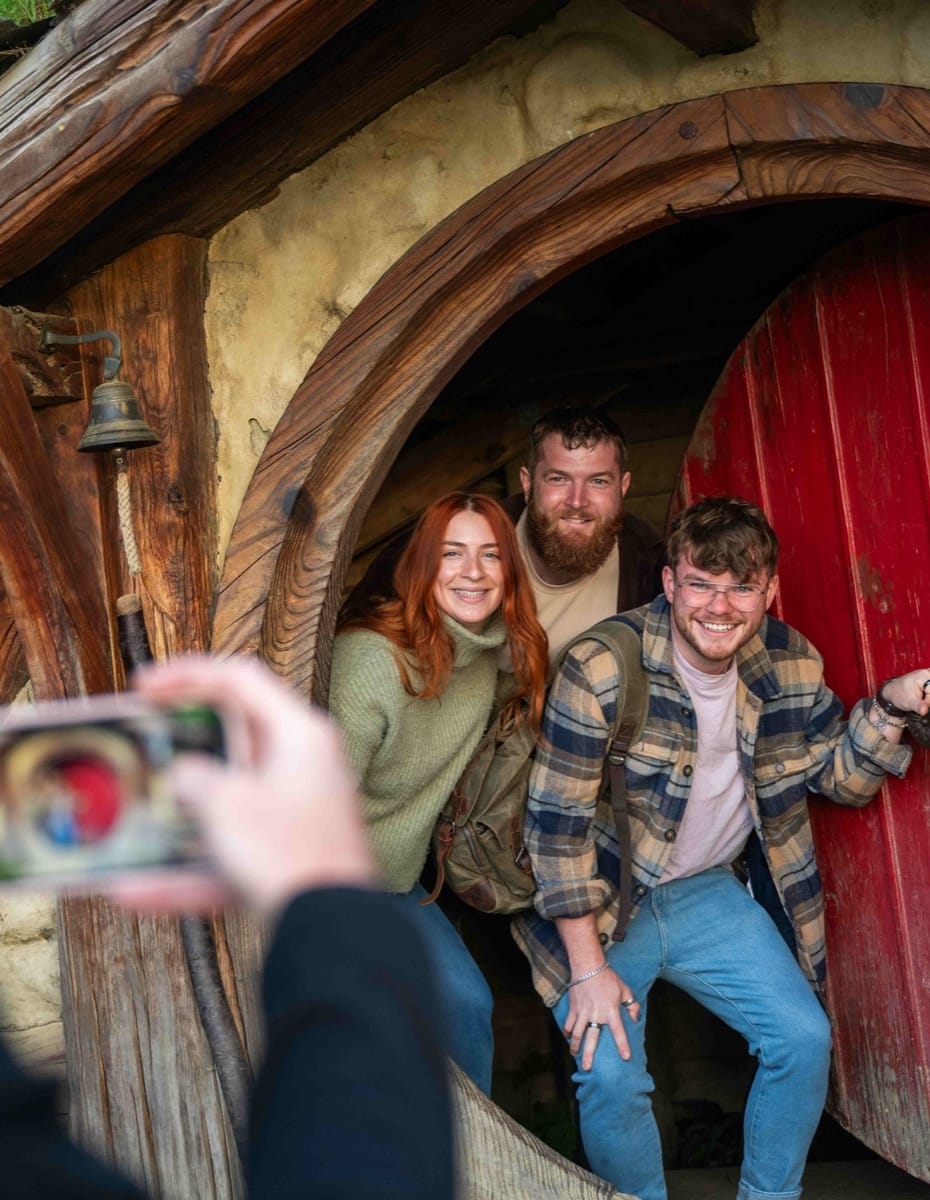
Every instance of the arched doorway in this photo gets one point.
(391, 358)
(380, 372)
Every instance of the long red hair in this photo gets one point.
(413, 622)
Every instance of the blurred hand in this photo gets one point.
(280, 817)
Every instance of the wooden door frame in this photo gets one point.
(331, 449)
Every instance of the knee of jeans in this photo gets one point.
(820, 1035)
(808, 1041)
(473, 997)
(614, 1076)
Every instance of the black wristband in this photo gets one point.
(891, 709)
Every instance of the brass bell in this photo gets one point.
(116, 420)
(115, 416)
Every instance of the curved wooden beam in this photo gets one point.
(61, 623)
(13, 670)
(47, 379)
(119, 88)
(296, 529)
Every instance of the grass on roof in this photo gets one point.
(24, 12)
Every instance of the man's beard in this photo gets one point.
(567, 555)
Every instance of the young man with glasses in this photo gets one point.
(740, 728)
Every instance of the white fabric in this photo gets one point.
(717, 821)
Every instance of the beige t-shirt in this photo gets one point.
(567, 609)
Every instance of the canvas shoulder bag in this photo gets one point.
(478, 841)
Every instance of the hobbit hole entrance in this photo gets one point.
(644, 333)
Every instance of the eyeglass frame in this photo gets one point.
(758, 590)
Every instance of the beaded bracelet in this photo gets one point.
(589, 975)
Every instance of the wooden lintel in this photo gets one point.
(48, 376)
(389, 52)
(119, 89)
(704, 26)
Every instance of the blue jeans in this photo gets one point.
(463, 991)
(708, 936)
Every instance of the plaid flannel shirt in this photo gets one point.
(791, 740)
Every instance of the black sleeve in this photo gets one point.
(642, 557)
(353, 1098)
(38, 1161)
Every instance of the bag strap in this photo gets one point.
(447, 821)
(632, 700)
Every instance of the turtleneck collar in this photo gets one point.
(468, 645)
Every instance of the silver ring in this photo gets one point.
(628, 1003)
(595, 1025)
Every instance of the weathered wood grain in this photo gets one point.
(291, 545)
(143, 1092)
(119, 87)
(164, 1122)
(61, 625)
(154, 298)
(48, 377)
(13, 670)
(844, 139)
(61, 426)
(497, 1158)
(704, 26)
(390, 51)
(823, 415)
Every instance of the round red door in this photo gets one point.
(822, 416)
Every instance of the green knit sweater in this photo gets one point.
(410, 752)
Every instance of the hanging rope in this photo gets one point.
(124, 509)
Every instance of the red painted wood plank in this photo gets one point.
(822, 416)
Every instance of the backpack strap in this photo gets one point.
(623, 641)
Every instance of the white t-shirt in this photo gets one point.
(717, 820)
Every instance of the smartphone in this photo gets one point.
(84, 789)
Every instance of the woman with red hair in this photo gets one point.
(413, 687)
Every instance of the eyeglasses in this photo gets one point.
(743, 596)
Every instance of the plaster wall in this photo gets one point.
(284, 276)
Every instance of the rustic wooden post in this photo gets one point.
(61, 624)
(143, 1087)
(43, 382)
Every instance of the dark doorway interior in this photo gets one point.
(644, 331)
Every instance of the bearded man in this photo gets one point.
(587, 559)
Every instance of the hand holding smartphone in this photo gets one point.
(85, 791)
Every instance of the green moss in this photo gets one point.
(25, 12)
